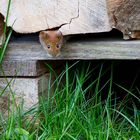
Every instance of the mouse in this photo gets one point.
(52, 41)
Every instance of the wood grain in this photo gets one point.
(124, 15)
(85, 49)
(22, 68)
(26, 91)
(73, 16)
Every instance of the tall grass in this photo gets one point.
(78, 109)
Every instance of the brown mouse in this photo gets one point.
(52, 42)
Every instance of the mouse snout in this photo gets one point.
(56, 54)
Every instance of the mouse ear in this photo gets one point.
(44, 33)
(59, 33)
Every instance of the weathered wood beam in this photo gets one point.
(22, 68)
(27, 68)
(25, 90)
(73, 16)
(80, 49)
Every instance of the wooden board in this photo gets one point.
(73, 16)
(124, 15)
(22, 68)
(29, 48)
(25, 90)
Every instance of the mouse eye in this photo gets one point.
(58, 46)
(48, 46)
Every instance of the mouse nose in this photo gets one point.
(56, 54)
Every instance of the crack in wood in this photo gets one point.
(71, 18)
(76, 16)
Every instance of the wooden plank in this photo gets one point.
(22, 68)
(27, 68)
(92, 17)
(103, 48)
(125, 16)
(72, 16)
(75, 16)
(24, 89)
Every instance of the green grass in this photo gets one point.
(78, 111)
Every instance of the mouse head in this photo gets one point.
(52, 41)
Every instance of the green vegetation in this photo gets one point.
(83, 106)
